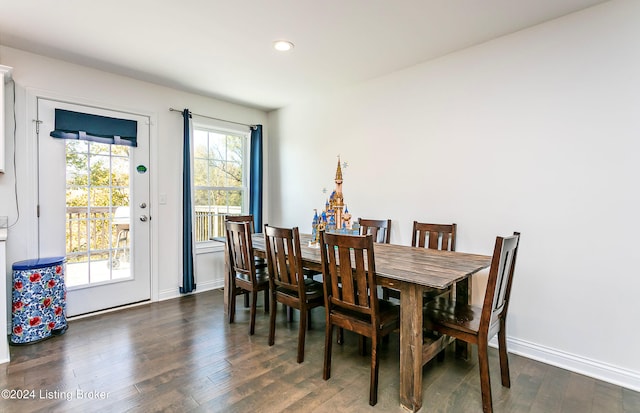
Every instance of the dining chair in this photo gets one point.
(435, 236)
(351, 297)
(287, 283)
(477, 325)
(379, 228)
(245, 276)
(260, 262)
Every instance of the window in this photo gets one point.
(219, 178)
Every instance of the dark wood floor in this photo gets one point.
(181, 355)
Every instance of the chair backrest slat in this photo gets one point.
(349, 281)
(282, 251)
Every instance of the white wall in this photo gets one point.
(33, 72)
(535, 132)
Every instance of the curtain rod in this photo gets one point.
(211, 117)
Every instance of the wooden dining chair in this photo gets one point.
(380, 229)
(351, 297)
(244, 277)
(435, 236)
(287, 282)
(477, 325)
(260, 262)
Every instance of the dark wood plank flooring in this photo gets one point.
(181, 355)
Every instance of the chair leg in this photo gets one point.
(290, 314)
(266, 300)
(302, 330)
(328, 341)
(485, 380)
(309, 319)
(373, 386)
(254, 305)
(504, 358)
(232, 305)
(272, 321)
(246, 300)
(340, 338)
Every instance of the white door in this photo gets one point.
(93, 203)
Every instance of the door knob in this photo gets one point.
(143, 218)
(143, 205)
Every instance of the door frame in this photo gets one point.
(31, 174)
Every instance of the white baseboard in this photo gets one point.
(598, 370)
(201, 287)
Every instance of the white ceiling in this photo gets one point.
(223, 48)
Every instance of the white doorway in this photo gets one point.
(93, 209)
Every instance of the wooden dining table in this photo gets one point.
(410, 270)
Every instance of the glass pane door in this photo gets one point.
(97, 218)
(94, 209)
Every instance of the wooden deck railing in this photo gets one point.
(210, 223)
(89, 229)
(94, 229)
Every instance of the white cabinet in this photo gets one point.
(5, 76)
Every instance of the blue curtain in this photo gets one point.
(188, 276)
(95, 128)
(255, 177)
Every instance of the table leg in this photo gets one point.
(411, 347)
(227, 281)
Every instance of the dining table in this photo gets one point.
(410, 270)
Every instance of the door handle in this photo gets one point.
(143, 205)
(143, 218)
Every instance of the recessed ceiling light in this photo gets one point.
(282, 45)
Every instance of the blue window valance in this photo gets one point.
(95, 128)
